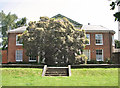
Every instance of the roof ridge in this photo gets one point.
(60, 15)
(99, 26)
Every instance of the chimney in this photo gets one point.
(88, 23)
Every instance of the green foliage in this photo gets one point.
(117, 44)
(4, 43)
(107, 61)
(7, 22)
(21, 23)
(117, 16)
(113, 6)
(56, 40)
(83, 57)
(93, 62)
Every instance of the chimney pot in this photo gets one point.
(88, 23)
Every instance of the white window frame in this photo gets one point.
(88, 39)
(89, 54)
(113, 42)
(32, 60)
(102, 39)
(102, 55)
(18, 41)
(17, 56)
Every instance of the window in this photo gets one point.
(32, 59)
(87, 53)
(99, 39)
(113, 43)
(18, 41)
(19, 55)
(88, 37)
(99, 55)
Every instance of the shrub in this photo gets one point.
(92, 62)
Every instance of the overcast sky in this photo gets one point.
(95, 12)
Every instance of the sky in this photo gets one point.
(95, 12)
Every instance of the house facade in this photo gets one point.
(99, 47)
(101, 42)
(16, 52)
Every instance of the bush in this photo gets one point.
(93, 62)
(101, 62)
(108, 61)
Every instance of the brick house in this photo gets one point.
(101, 42)
(99, 47)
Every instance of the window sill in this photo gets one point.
(32, 60)
(98, 44)
(18, 60)
(19, 44)
(87, 44)
(99, 60)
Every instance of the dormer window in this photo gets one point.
(18, 41)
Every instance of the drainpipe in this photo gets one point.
(110, 44)
(38, 59)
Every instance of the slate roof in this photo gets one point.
(76, 24)
(87, 28)
(18, 30)
(96, 28)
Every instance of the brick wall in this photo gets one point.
(12, 47)
(4, 56)
(106, 47)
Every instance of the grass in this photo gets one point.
(80, 77)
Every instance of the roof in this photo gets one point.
(96, 28)
(18, 30)
(87, 28)
(72, 21)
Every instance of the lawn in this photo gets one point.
(80, 77)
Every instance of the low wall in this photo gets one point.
(116, 57)
(72, 66)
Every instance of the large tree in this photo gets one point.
(55, 40)
(7, 22)
(21, 22)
